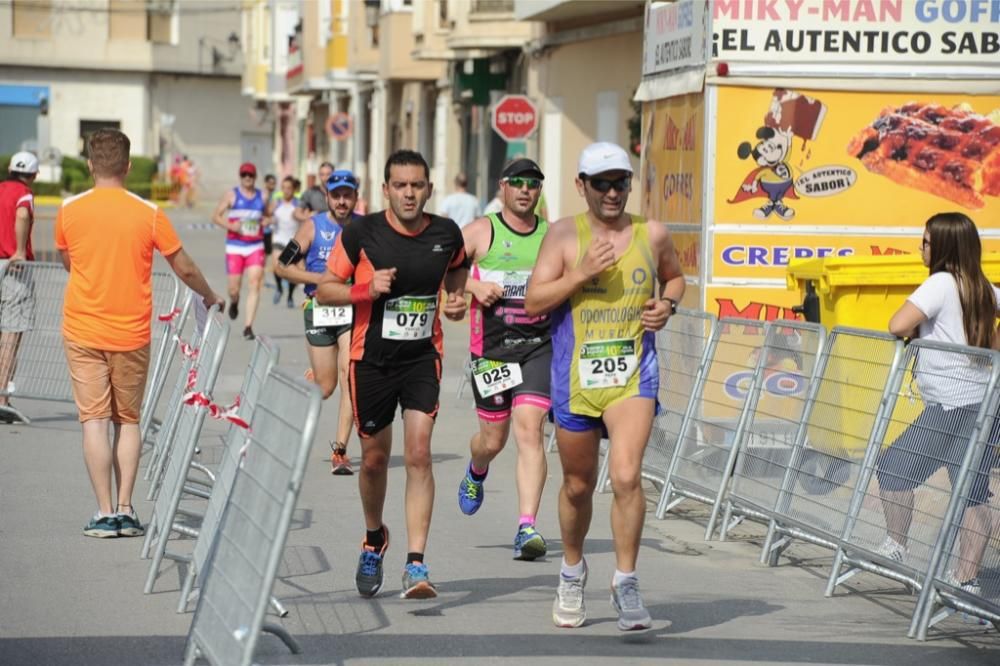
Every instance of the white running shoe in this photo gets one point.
(892, 550)
(568, 610)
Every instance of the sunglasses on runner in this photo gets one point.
(338, 180)
(247, 174)
(603, 185)
(517, 183)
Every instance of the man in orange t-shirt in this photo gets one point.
(106, 237)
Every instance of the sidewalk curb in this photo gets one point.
(52, 200)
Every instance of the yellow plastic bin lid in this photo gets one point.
(902, 269)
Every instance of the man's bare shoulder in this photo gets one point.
(477, 226)
(562, 229)
(658, 232)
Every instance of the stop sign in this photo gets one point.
(515, 117)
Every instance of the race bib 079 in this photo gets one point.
(409, 317)
(607, 363)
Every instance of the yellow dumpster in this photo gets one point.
(863, 292)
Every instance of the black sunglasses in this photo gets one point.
(247, 174)
(603, 185)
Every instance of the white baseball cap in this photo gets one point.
(603, 156)
(23, 162)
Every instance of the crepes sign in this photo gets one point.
(900, 32)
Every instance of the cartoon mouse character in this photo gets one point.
(773, 177)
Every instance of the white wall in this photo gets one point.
(96, 96)
(209, 116)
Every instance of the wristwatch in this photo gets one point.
(673, 305)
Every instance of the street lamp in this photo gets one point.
(232, 44)
(371, 12)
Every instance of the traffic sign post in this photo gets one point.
(339, 126)
(514, 118)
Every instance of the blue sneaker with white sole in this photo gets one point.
(102, 527)
(470, 493)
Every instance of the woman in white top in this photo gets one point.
(285, 226)
(955, 304)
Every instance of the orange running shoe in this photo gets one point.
(340, 464)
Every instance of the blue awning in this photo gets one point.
(17, 95)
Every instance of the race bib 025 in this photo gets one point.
(494, 377)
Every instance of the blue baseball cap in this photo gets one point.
(342, 178)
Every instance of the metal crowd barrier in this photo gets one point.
(777, 401)
(32, 295)
(709, 432)
(242, 566)
(970, 542)
(179, 456)
(169, 342)
(263, 359)
(844, 405)
(899, 492)
(681, 349)
(186, 359)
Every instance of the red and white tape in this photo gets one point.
(215, 411)
(187, 350)
(169, 316)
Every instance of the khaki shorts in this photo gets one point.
(17, 298)
(107, 384)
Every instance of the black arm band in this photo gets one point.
(291, 254)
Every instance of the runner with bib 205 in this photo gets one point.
(610, 280)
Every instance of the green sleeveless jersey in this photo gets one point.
(503, 331)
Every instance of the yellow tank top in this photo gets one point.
(601, 354)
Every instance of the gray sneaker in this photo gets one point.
(892, 550)
(568, 610)
(627, 602)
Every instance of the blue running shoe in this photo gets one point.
(416, 583)
(368, 577)
(104, 527)
(470, 493)
(129, 525)
(529, 544)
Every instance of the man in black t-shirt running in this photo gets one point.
(399, 260)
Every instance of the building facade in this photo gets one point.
(426, 74)
(167, 73)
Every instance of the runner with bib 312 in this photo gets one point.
(610, 280)
(328, 328)
(511, 351)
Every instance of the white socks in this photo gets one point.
(621, 575)
(571, 570)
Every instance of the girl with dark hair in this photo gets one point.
(955, 304)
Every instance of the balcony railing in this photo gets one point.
(492, 6)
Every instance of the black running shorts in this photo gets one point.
(377, 390)
(321, 336)
(536, 373)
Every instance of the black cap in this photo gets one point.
(522, 167)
